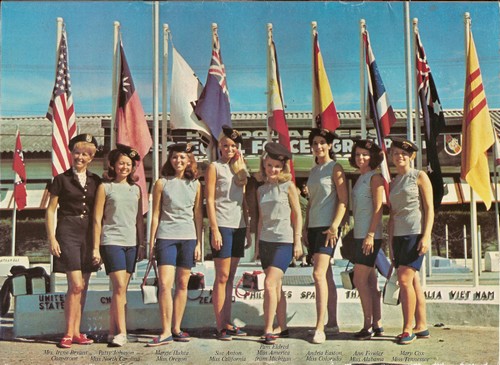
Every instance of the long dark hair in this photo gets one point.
(191, 172)
(113, 157)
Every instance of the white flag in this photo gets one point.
(186, 90)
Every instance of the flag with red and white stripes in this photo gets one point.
(380, 108)
(20, 174)
(61, 111)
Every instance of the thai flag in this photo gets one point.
(380, 108)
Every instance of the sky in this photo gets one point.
(28, 44)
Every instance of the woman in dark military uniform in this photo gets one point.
(71, 241)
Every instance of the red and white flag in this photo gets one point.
(20, 174)
(276, 120)
(62, 112)
(131, 125)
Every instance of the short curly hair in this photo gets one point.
(376, 158)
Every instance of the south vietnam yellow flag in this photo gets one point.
(477, 131)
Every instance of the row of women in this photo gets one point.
(103, 222)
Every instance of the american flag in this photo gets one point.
(62, 112)
(380, 108)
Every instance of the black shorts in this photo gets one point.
(405, 251)
(74, 234)
(360, 257)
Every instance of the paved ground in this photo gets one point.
(447, 345)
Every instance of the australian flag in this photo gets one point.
(434, 121)
(213, 104)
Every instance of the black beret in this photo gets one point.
(231, 133)
(85, 137)
(128, 151)
(367, 144)
(404, 144)
(180, 147)
(277, 151)
(325, 133)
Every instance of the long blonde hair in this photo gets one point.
(237, 164)
(284, 176)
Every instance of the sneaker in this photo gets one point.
(82, 340)
(119, 340)
(131, 338)
(65, 342)
(406, 338)
(235, 331)
(378, 332)
(423, 334)
(222, 335)
(319, 337)
(333, 330)
(269, 339)
(364, 334)
(181, 336)
(159, 342)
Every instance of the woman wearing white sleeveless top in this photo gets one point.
(228, 219)
(176, 226)
(328, 199)
(410, 228)
(119, 233)
(367, 196)
(279, 237)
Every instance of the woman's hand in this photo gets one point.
(331, 236)
(423, 245)
(55, 249)
(96, 257)
(141, 253)
(216, 239)
(297, 248)
(368, 245)
(197, 252)
(248, 236)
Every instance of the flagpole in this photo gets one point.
(59, 27)
(473, 210)
(362, 65)
(314, 28)
(418, 131)
(114, 81)
(269, 44)
(495, 181)
(427, 268)
(164, 116)
(156, 72)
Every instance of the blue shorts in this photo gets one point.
(117, 258)
(275, 254)
(362, 259)
(405, 251)
(179, 253)
(233, 243)
(317, 239)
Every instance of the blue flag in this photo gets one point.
(213, 105)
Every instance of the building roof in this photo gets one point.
(36, 131)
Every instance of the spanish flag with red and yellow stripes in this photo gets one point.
(324, 112)
(477, 131)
